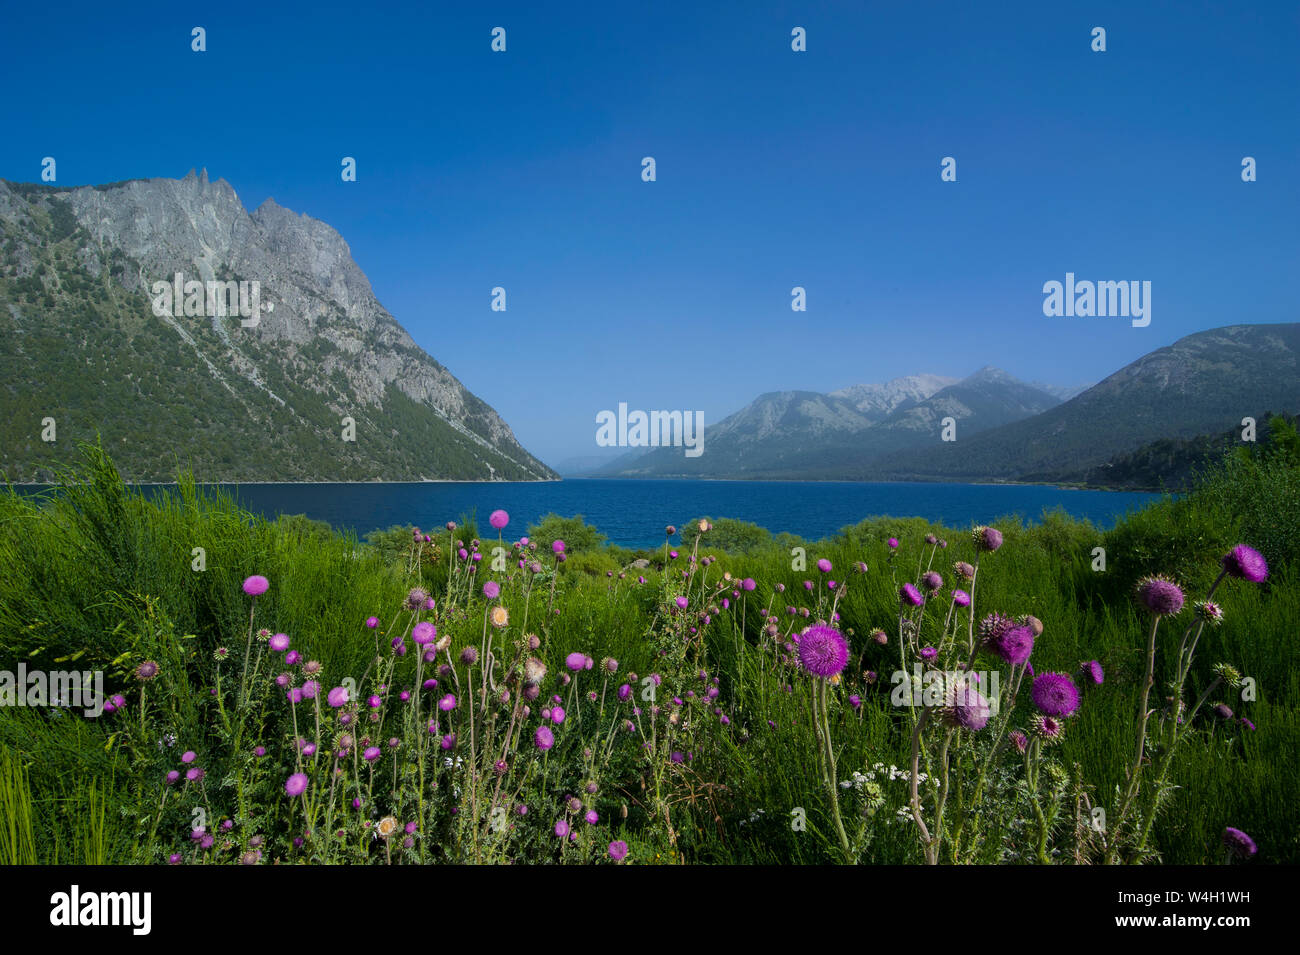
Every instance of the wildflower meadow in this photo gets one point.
(274, 692)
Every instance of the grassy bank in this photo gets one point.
(101, 578)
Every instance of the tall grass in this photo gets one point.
(17, 838)
(101, 577)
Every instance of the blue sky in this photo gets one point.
(775, 169)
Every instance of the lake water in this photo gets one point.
(633, 513)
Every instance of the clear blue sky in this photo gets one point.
(775, 169)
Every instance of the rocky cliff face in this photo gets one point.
(268, 392)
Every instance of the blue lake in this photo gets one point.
(632, 513)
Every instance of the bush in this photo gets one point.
(576, 533)
(726, 534)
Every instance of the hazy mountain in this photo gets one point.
(589, 464)
(881, 399)
(1204, 383)
(807, 435)
(82, 343)
(1063, 392)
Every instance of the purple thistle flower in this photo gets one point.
(147, 670)
(1160, 595)
(499, 519)
(423, 632)
(966, 709)
(1238, 843)
(1013, 644)
(986, 538)
(618, 850)
(296, 784)
(337, 697)
(1209, 611)
(371, 754)
(256, 585)
(279, 643)
(1245, 563)
(961, 598)
(824, 565)
(908, 594)
(931, 580)
(823, 651)
(1093, 671)
(491, 590)
(1047, 728)
(544, 738)
(1055, 694)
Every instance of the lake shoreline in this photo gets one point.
(1064, 486)
(633, 513)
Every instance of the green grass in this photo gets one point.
(101, 577)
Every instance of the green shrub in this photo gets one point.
(576, 533)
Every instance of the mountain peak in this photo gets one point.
(245, 400)
(989, 373)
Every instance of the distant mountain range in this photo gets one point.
(91, 339)
(1202, 384)
(796, 435)
(1006, 429)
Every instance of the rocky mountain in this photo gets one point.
(880, 399)
(184, 331)
(796, 435)
(1204, 383)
